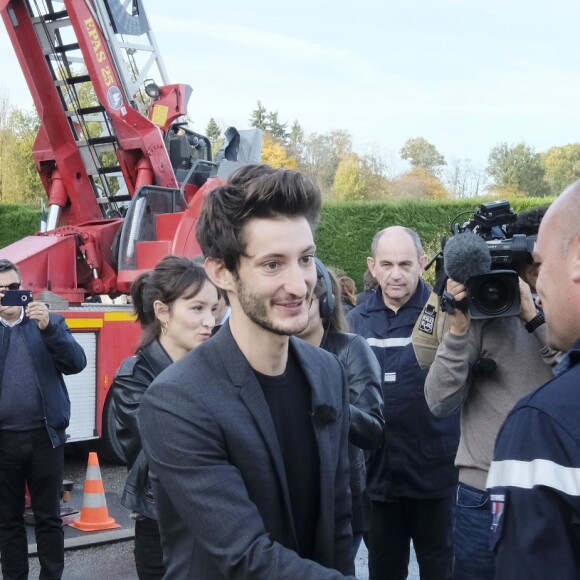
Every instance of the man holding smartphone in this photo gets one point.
(36, 349)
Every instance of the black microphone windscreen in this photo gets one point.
(466, 255)
(484, 366)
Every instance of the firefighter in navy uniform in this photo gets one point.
(411, 479)
(534, 479)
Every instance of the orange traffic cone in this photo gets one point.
(94, 513)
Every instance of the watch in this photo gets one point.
(535, 322)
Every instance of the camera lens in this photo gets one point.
(494, 296)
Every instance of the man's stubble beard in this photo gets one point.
(256, 310)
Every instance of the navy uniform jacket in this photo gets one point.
(417, 458)
(535, 482)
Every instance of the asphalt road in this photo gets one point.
(114, 561)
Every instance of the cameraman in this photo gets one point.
(483, 367)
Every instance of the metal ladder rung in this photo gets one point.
(109, 139)
(66, 48)
(52, 16)
(88, 150)
(82, 111)
(73, 80)
(109, 170)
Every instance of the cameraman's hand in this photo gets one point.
(528, 309)
(458, 321)
(38, 311)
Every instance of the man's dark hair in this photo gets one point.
(259, 193)
(7, 265)
(527, 222)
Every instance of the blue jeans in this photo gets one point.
(474, 559)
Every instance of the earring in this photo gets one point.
(164, 327)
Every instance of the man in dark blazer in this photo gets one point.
(247, 435)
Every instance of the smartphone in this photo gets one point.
(16, 297)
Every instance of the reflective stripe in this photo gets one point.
(389, 342)
(527, 474)
(94, 500)
(390, 377)
(93, 472)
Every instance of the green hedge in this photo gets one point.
(16, 222)
(346, 228)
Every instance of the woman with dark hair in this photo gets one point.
(175, 305)
(327, 328)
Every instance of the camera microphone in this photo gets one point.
(466, 255)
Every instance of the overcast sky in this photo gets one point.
(465, 75)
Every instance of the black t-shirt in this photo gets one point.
(290, 402)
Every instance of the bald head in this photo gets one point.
(394, 232)
(557, 252)
(396, 263)
(566, 211)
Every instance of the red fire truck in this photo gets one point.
(124, 175)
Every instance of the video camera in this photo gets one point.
(492, 280)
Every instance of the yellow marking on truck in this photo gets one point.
(84, 322)
(120, 317)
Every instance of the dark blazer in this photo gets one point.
(218, 473)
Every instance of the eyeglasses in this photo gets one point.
(13, 286)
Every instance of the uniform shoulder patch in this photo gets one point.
(498, 498)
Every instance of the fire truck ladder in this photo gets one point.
(136, 63)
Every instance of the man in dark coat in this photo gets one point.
(247, 435)
(36, 349)
(411, 479)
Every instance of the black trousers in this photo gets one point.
(148, 553)
(28, 457)
(427, 522)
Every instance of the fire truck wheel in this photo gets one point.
(109, 447)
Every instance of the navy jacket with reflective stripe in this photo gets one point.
(536, 472)
(417, 458)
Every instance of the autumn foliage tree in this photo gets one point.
(561, 167)
(275, 155)
(19, 180)
(418, 183)
(420, 153)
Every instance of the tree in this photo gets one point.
(19, 180)
(322, 154)
(418, 183)
(295, 143)
(420, 153)
(275, 127)
(517, 171)
(259, 117)
(275, 155)
(562, 167)
(214, 134)
(464, 180)
(349, 179)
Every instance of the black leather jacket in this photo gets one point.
(366, 414)
(131, 381)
